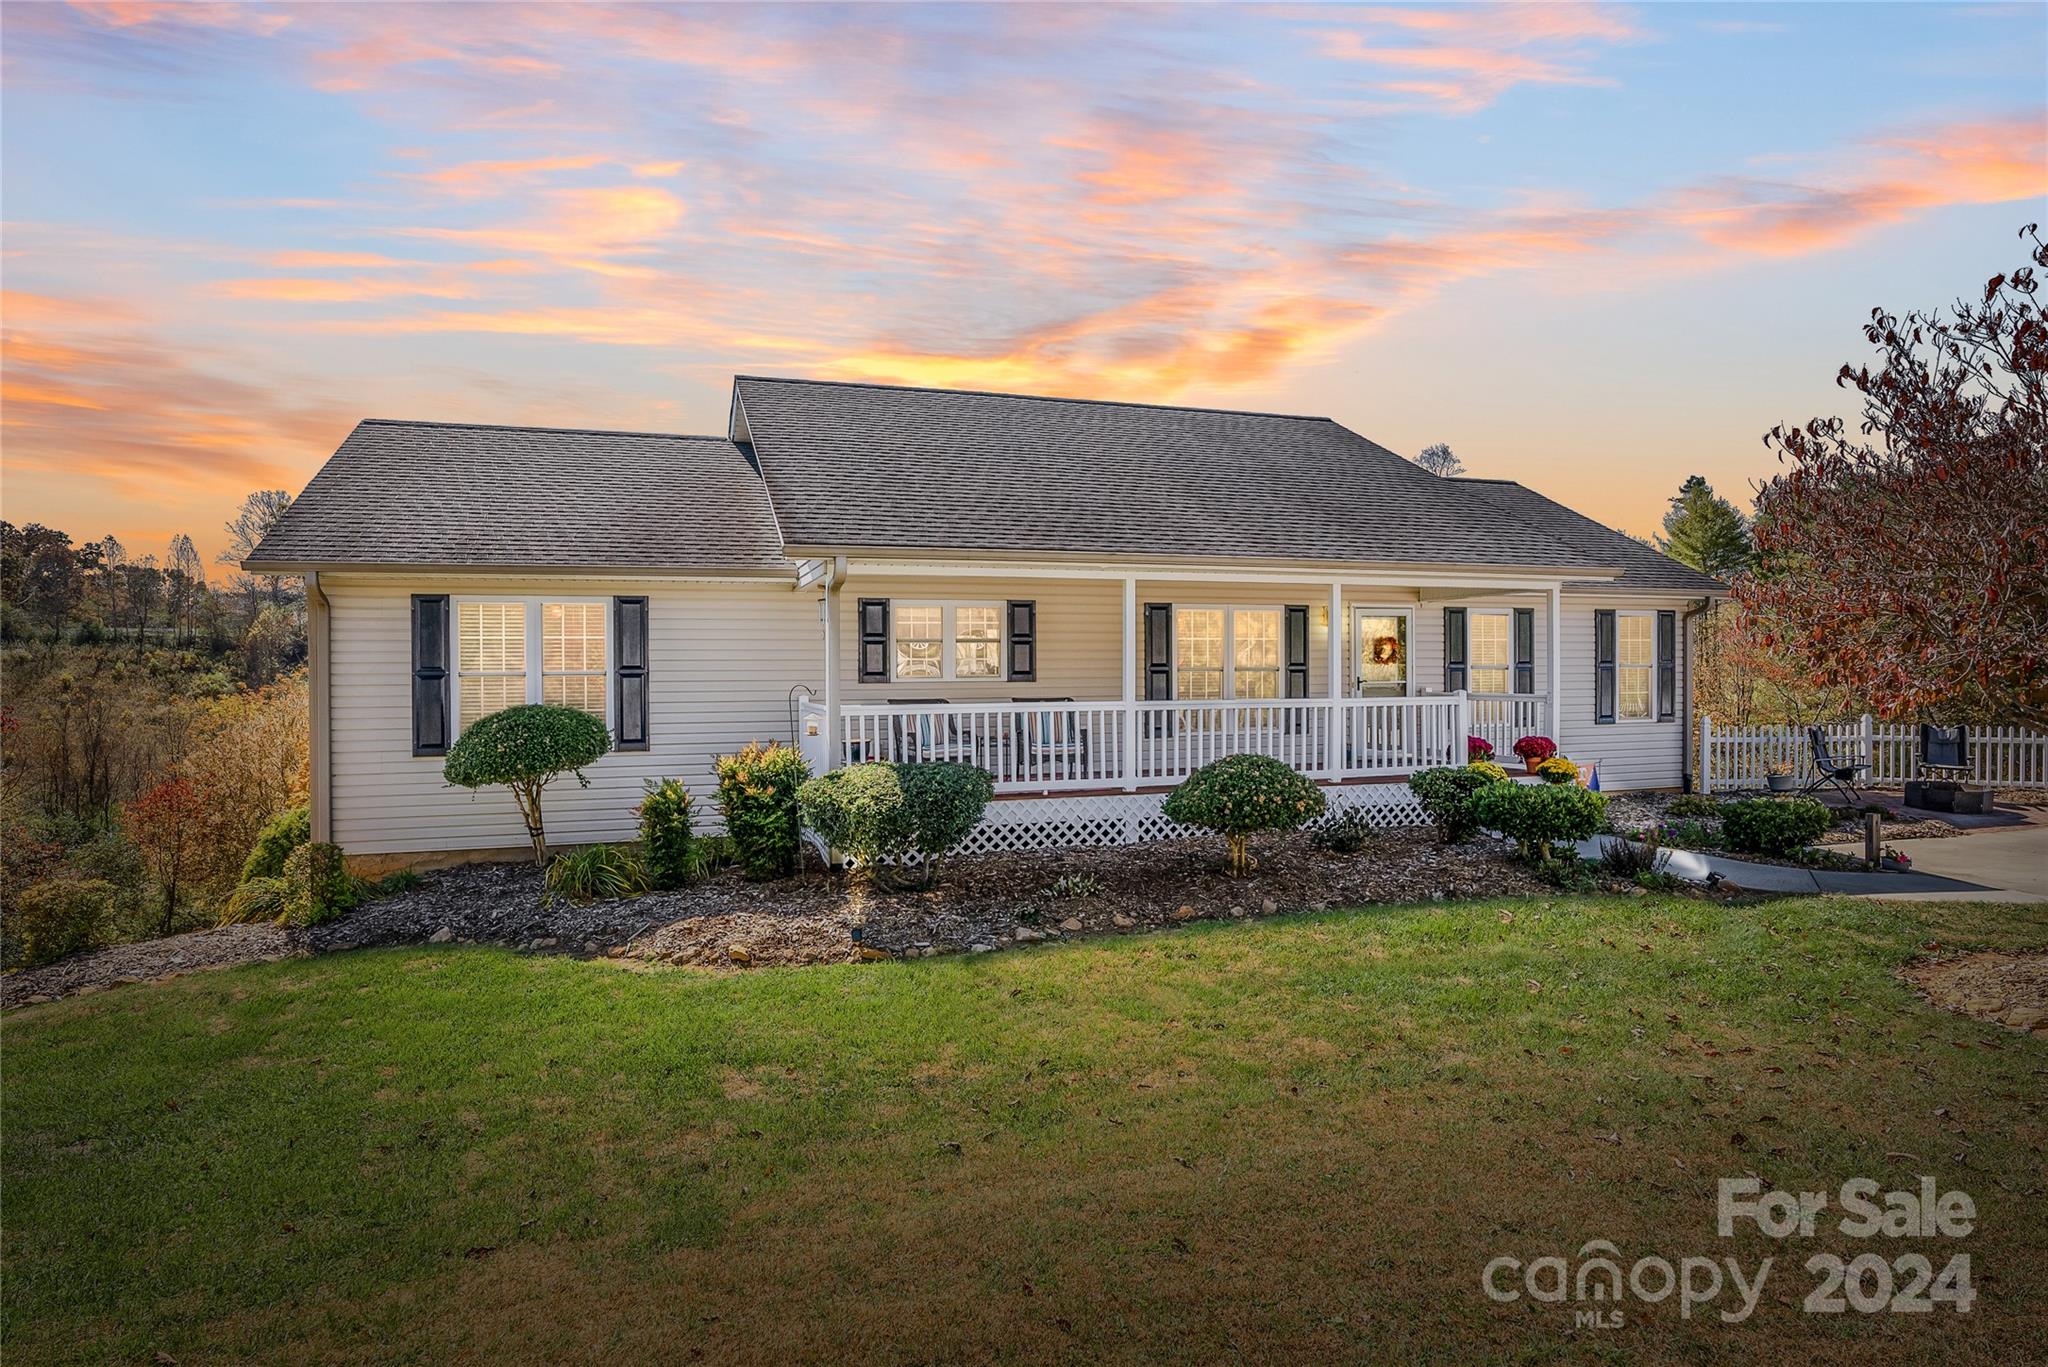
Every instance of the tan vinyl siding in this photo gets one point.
(1632, 754)
(1080, 632)
(721, 660)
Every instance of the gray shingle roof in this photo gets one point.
(1642, 568)
(429, 493)
(873, 466)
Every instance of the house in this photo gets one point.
(1088, 599)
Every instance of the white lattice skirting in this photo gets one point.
(1061, 820)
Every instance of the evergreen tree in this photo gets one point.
(1705, 531)
(1440, 461)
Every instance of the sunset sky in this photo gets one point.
(1594, 248)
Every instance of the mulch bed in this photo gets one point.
(979, 903)
(2008, 989)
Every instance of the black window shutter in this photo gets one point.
(1603, 665)
(1158, 651)
(1297, 651)
(629, 645)
(1454, 649)
(1023, 634)
(874, 640)
(1667, 666)
(1525, 650)
(430, 674)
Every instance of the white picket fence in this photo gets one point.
(1744, 757)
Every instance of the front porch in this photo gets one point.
(1076, 746)
(1067, 679)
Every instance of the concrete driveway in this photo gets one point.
(1995, 866)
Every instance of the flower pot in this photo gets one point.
(1781, 783)
(1532, 763)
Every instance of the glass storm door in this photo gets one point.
(1380, 642)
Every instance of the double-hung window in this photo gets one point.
(510, 651)
(1226, 653)
(947, 641)
(1635, 665)
(1489, 642)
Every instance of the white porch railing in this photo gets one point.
(1745, 757)
(1067, 746)
(1504, 718)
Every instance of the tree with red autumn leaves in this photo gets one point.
(168, 824)
(1908, 563)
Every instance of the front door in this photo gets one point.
(1380, 653)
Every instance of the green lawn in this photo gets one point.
(1299, 1139)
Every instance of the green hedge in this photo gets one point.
(1447, 795)
(1778, 826)
(885, 814)
(757, 796)
(1537, 816)
(667, 847)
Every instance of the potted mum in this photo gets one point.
(1533, 750)
(1477, 748)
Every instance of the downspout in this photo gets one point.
(319, 667)
(1685, 631)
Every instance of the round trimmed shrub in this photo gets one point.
(1558, 769)
(1537, 816)
(1241, 795)
(1778, 826)
(525, 748)
(61, 916)
(1446, 795)
(1489, 769)
(666, 844)
(282, 834)
(757, 796)
(883, 814)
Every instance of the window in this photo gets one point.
(1226, 653)
(947, 640)
(1635, 665)
(1489, 644)
(520, 650)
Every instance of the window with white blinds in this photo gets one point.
(510, 651)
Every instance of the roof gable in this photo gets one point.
(1642, 567)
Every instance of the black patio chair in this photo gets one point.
(1831, 773)
(1056, 741)
(1945, 753)
(933, 738)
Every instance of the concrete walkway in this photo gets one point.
(1990, 866)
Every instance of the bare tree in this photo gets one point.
(187, 583)
(1440, 461)
(251, 523)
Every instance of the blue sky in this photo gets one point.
(1595, 248)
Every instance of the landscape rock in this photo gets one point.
(441, 936)
(1072, 925)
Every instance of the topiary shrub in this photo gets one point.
(1446, 795)
(525, 748)
(61, 916)
(318, 886)
(1241, 795)
(596, 872)
(282, 834)
(1488, 768)
(1776, 826)
(665, 838)
(1557, 769)
(1537, 816)
(757, 796)
(884, 814)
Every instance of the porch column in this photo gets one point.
(830, 607)
(1554, 707)
(1333, 722)
(1130, 721)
